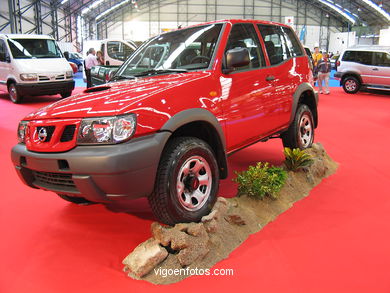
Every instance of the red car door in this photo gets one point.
(246, 93)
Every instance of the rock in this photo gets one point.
(235, 219)
(188, 240)
(196, 229)
(211, 226)
(145, 257)
(209, 217)
(197, 250)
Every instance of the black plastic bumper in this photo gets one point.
(97, 173)
(337, 75)
(45, 88)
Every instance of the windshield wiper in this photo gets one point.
(160, 71)
(121, 77)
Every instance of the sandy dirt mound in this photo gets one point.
(231, 221)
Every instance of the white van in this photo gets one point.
(33, 65)
(115, 51)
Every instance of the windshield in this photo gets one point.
(34, 48)
(177, 51)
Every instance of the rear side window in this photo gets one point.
(292, 42)
(3, 51)
(275, 43)
(243, 35)
(382, 59)
(362, 57)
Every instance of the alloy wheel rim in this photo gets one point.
(305, 131)
(12, 93)
(194, 182)
(350, 85)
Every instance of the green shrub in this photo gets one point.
(260, 181)
(296, 159)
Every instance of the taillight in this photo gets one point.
(107, 77)
(338, 63)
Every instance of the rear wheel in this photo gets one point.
(187, 181)
(351, 85)
(74, 199)
(300, 134)
(14, 94)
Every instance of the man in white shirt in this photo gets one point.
(89, 62)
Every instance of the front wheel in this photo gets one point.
(14, 94)
(300, 134)
(351, 85)
(187, 181)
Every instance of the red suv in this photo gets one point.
(164, 125)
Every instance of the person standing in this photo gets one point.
(89, 62)
(317, 56)
(99, 57)
(324, 68)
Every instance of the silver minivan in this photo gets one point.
(364, 68)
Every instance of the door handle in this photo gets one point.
(270, 78)
(375, 69)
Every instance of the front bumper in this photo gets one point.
(45, 88)
(98, 173)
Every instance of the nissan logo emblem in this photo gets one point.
(42, 134)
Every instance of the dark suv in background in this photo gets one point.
(364, 68)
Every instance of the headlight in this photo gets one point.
(29, 77)
(22, 131)
(106, 130)
(69, 74)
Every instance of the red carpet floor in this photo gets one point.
(336, 240)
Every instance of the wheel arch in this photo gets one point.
(350, 73)
(10, 80)
(202, 124)
(305, 94)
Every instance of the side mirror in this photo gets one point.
(235, 58)
(8, 59)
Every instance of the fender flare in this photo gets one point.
(201, 115)
(304, 87)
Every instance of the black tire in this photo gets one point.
(300, 134)
(76, 200)
(14, 95)
(166, 204)
(351, 85)
(66, 94)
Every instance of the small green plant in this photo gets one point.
(296, 159)
(261, 180)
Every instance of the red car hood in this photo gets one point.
(118, 98)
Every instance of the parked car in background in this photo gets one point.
(333, 61)
(74, 67)
(115, 52)
(78, 59)
(33, 65)
(175, 110)
(102, 74)
(364, 67)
